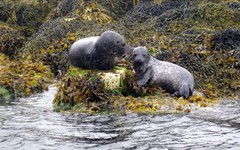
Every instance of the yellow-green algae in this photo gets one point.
(55, 55)
(79, 86)
(23, 78)
(86, 91)
(184, 34)
(161, 104)
(11, 40)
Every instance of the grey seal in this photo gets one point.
(98, 52)
(171, 77)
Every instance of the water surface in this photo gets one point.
(30, 123)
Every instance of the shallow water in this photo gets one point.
(30, 123)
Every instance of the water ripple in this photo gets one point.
(30, 123)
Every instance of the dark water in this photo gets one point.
(31, 124)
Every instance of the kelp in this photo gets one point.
(202, 36)
(131, 87)
(23, 78)
(27, 14)
(94, 12)
(63, 8)
(11, 41)
(228, 39)
(87, 91)
(182, 32)
(188, 34)
(206, 16)
(48, 33)
(80, 16)
(80, 87)
(159, 104)
(56, 55)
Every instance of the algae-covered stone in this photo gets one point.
(11, 40)
(200, 35)
(159, 103)
(92, 90)
(85, 86)
(23, 78)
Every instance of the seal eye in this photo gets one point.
(123, 44)
(118, 42)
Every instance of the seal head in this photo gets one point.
(140, 58)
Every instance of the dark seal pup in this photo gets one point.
(173, 78)
(99, 52)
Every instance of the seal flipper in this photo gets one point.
(146, 76)
(184, 91)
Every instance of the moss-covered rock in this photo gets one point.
(4, 94)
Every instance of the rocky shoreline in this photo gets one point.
(202, 36)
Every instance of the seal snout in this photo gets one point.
(140, 56)
(138, 61)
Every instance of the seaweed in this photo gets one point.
(228, 39)
(80, 88)
(11, 41)
(27, 13)
(56, 55)
(78, 20)
(202, 36)
(131, 87)
(23, 78)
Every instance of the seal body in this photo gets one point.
(98, 52)
(171, 77)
